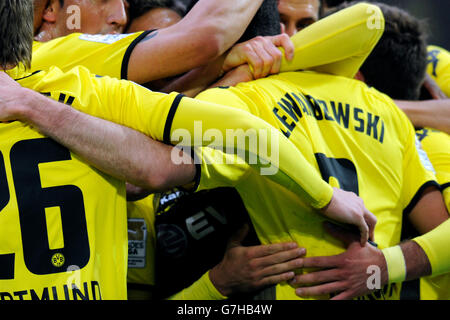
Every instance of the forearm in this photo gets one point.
(431, 113)
(229, 19)
(422, 256)
(416, 261)
(117, 150)
(195, 80)
(204, 34)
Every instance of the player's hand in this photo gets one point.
(346, 274)
(246, 269)
(235, 76)
(12, 98)
(261, 54)
(348, 208)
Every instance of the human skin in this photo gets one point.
(95, 17)
(298, 14)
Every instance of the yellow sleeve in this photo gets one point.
(202, 289)
(105, 55)
(252, 143)
(190, 122)
(182, 121)
(435, 244)
(439, 67)
(236, 131)
(338, 44)
(218, 169)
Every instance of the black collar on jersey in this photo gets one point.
(28, 75)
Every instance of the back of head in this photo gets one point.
(327, 4)
(397, 65)
(266, 22)
(16, 32)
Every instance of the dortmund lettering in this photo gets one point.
(87, 291)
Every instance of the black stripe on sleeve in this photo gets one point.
(445, 186)
(198, 170)
(170, 116)
(418, 195)
(198, 173)
(126, 58)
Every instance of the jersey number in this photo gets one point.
(32, 200)
(342, 169)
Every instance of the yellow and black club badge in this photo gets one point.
(58, 259)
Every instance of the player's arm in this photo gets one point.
(348, 273)
(431, 113)
(117, 150)
(205, 33)
(432, 89)
(339, 43)
(190, 122)
(424, 206)
(245, 269)
(259, 55)
(270, 153)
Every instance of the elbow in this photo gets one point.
(155, 181)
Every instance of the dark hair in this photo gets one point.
(16, 32)
(266, 22)
(327, 4)
(333, 3)
(397, 65)
(139, 7)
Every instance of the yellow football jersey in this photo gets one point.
(163, 117)
(105, 55)
(352, 135)
(182, 121)
(62, 223)
(439, 67)
(437, 146)
(141, 248)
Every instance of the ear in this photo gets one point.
(359, 76)
(51, 11)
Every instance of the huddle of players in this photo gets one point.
(298, 99)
